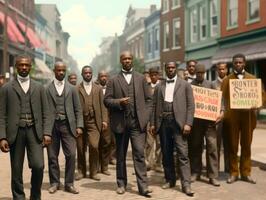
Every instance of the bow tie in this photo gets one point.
(23, 79)
(170, 80)
(127, 72)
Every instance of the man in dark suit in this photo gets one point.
(24, 123)
(127, 97)
(204, 129)
(95, 120)
(67, 122)
(172, 118)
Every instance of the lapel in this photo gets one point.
(163, 87)
(32, 88)
(67, 89)
(122, 81)
(82, 90)
(177, 85)
(16, 87)
(52, 91)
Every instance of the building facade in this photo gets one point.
(152, 40)
(172, 31)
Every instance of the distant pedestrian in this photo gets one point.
(191, 65)
(24, 124)
(72, 78)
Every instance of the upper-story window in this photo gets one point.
(156, 37)
(214, 17)
(253, 9)
(176, 32)
(166, 35)
(193, 25)
(149, 42)
(176, 4)
(203, 22)
(232, 12)
(165, 6)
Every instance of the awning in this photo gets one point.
(12, 30)
(33, 38)
(42, 71)
(252, 51)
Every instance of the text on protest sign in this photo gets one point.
(207, 103)
(245, 93)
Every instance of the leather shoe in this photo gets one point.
(79, 176)
(95, 177)
(214, 182)
(53, 188)
(248, 179)
(194, 177)
(71, 189)
(106, 172)
(187, 190)
(120, 190)
(146, 193)
(168, 185)
(232, 179)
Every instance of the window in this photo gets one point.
(165, 6)
(176, 32)
(166, 35)
(232, 12)
(203, 22)
(176, 4)
(149, 42)
(253, 9)
(214, 17)
(156, 36)
(193, 25)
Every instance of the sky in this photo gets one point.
(88, 21)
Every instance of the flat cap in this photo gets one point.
(200, 68)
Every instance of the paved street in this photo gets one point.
(105, 189)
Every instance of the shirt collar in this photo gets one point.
(126, 72)
(85, 83)
(59, 83)
(23, 79)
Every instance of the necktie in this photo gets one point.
(23, 79)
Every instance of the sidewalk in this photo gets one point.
(258, 152)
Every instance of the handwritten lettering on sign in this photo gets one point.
(207, 103)
(245, 93)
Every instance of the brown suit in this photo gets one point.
(93, 122)
(240, 123)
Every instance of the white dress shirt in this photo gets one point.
(169, 90)
(24, 82)
(153, 85)
(127, 76)
(191, 78)
(240, 75)
(104, 89)
(87, 86)
(59, 86)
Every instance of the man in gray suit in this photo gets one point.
(172, 117)
(127, 97)
(67, 122)
(24, 124)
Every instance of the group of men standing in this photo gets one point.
(161, 112)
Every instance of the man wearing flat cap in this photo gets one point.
(203, 129)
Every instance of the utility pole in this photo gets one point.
(5, 43)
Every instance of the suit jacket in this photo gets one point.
(72, 105)
(10, 110)
(231, 114)
(183, 104)
(116, 90)
(100, 112)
